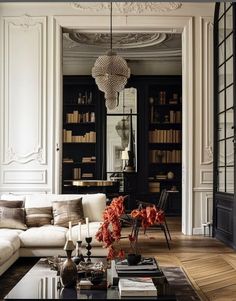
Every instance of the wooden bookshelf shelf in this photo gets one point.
(165, 139)
(81, 131)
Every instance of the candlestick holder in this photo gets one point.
(79, 256)
(88, 247)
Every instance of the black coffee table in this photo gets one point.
(41, 283)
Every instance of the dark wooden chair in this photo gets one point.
(161, 204)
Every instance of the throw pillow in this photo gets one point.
(65, 211)
(12, 218)
(11, 204)
(36, 217)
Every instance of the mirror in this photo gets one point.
(118, 130)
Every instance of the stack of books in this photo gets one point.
(137, 287)
(148, 267)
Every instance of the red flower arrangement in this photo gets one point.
(110, 230)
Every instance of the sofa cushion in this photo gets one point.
(36, 217)
(45, 236)
(13, 197)
(6, 251)
(12, 218)
(11, 204)
(10, 236)
(93, 228)
(93, 204)
(66, 211)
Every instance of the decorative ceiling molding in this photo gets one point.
(129, 7)
(119, 41)
(172, 54)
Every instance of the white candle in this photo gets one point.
(87, 223)
(70, 233)
(79, 231)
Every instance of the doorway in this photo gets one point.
(152, 24)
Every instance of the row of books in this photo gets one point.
(87, 137)
(161, 99)
(173, 117)
(77, 175)
(165, 136)
(165, 156)
(77, 117)
(91, 159)
(154, 187)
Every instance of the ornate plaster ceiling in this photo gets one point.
(141, 46)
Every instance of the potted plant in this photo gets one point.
(110, 230)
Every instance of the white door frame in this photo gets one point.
(139, 24)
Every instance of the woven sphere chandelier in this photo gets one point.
(111, 73)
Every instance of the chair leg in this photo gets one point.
(164, 229)
(167, 228)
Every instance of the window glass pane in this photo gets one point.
(221, 179)
(229, 22)
(221, 101)
(221, 9)
(221, 54)
(221, 82)
(230, 179)
(229, 152)
(229, 123)
(229, 97)
(229, 46)
(221, 126)
(227, 4)
(221, 30)
(118, 140)
(229, 71)
(221, 153)
(127, 100)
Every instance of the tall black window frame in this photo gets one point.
(224, 61)
(224, 197)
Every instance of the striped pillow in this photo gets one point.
(36, 217)
(65, 211)
(12, 218)
(11, 204)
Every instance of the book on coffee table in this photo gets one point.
(137, 287)
(147, 267)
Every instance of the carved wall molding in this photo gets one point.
(29, 176)
(24, 102)
(206, 91)
(25, 21)
(206, 176)
(128, 7)
(207, 207)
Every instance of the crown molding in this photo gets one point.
(128, 7)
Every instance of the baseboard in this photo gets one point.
(198, 231)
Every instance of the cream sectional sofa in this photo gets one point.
(49, 240)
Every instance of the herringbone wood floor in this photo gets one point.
(209, 264)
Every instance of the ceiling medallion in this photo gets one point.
(120, 40)
(130, 7)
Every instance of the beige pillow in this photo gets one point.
(65, 211)
(36, 217)
(11, 204)
(12, 218)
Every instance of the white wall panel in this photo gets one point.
(24, 176)
(23, 103)
(25, 88)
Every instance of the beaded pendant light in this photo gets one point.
(111, 73)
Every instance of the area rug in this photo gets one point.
(175, 276)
